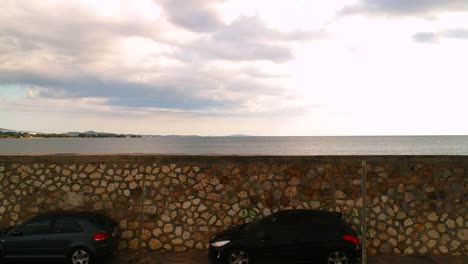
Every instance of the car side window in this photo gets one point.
(284, 227)
(67, 226)
(288, 219)
(318, 227)
(35, 228)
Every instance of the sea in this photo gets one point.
(243, 145)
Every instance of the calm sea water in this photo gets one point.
(377, 145)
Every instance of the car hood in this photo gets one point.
(231, 233)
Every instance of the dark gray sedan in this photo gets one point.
(78, 237)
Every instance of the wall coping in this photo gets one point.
(439, 160)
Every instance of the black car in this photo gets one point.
(310, 236)
(78, 237)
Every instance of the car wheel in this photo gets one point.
(337, 257)
(238, 256)
(80, 256)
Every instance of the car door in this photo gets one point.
(65, 232)
(316, 237)
(28, 240)
(277, 239)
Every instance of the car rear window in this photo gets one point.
(67, 226)
(102, 221)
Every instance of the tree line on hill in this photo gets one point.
(11, 134)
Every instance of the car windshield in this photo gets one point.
(102, 220)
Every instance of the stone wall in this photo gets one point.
(417, 205)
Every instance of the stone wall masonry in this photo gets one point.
(417, 204)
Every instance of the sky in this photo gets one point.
(223, 67)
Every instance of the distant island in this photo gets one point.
(8, 133)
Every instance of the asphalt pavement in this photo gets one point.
(143, 257)
(197, 257)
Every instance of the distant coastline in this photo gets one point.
(8, 133)
(27, 135)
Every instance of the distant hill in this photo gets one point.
(7, 130)
(89, 133)
(72, 134)
(19, 133)
(92, 133)
(4, 130)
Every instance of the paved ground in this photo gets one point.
(201, 258)
(159, 258)
(418, 260)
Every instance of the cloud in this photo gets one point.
(232, 51)
(246, 28)
(183, 59)
(164, 93)
(69, 27)
(458, 33)
(248, 39)
(426, 37)
(193, 15)
(436, 37)
(208, 89)
(404, 7)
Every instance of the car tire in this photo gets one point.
(80, 255)
(338, 256)
(238, 256)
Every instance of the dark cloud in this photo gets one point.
(208, 89)
(118, 93)
(194, 15)
(405, 7)
(435, 37)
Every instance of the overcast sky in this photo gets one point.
(221, 67)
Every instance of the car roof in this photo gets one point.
(68, 214)
(310, 212)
